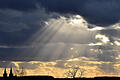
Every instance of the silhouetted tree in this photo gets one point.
(74, 71)
(20, 72)
(81, 72)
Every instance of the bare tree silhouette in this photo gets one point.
(20, 72)
(81, 72)
(74, 71)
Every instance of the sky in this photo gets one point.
(50, 37)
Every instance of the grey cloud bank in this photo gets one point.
(47, 30)
(99, 12)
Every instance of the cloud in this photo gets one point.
(47, 36)
(15, 27)
(7, 64)
(108, 68)
(17, 4)
(60, 64)
(107, 56)
(13, 20)
(99, 11)
(66, 32)
(38, 67)
(104, 12)
(51, 36)
(28, 65)
(95, 11)
(18, 26)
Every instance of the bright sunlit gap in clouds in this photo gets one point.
(62, 39)
(103, 38)
(63, 43)
(47, 38)
(62, 34)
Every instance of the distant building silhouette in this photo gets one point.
(11, 77)
(11, 73)
(5, 73)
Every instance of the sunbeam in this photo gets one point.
(54, 40)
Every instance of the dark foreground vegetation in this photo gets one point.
(52, 78)
(70, 73)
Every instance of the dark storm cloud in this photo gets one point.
(100, 12)
(22, 5)
(16, 27)
(45, 52)
(107, 47)
(113, 34)
(107, 53)
(19, 20)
